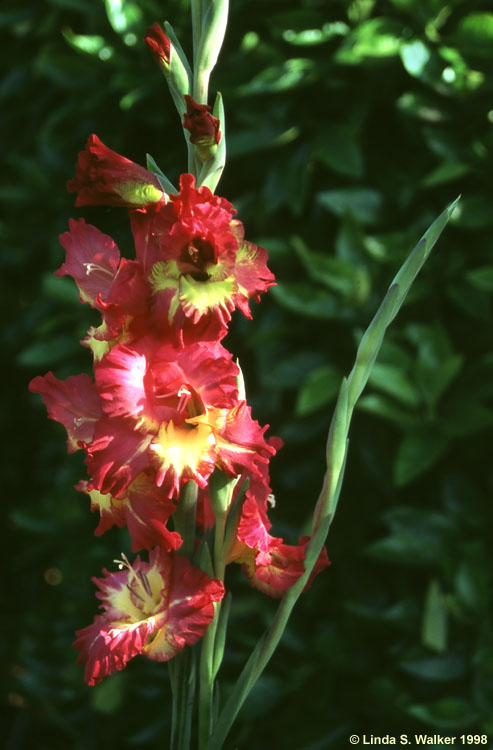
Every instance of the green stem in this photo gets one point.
(182, 669)
(185, 518)
(201, 86)
(206, 680)
(183, 686)
(208, 657)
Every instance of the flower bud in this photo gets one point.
(160, 46)
(203, 127)
(172, 61)
(105, 178)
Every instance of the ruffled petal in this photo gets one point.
(72, 402)
(116, 456)
(276, 571)
(240, 440)
(105, 649)
(190, 609)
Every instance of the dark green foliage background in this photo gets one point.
(350, 126)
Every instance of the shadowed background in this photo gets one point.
(349, 127)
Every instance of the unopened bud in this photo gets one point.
(204, 128)
(160, 46)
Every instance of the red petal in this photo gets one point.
(72, 402)
(91, 259)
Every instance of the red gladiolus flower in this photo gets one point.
(195, 258)
(270, 565)
(152, 394)
(153, 608)
(104, 178)
(203, 127)
(276, 571)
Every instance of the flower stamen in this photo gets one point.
(94, 267)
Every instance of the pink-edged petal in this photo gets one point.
(276, 571)
(116, 456)
(253, 527)
(190, 609)
(153, 608)
(144, 508)
(72, 402)
(129, 291)
(147, 511)
(206, 368)
(251, 274)
(92, 260)
(240, 440)
(105, 649)
(120, 381)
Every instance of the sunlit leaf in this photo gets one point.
(288, 75)
(475, 33)
(376, 38)
(91, 44)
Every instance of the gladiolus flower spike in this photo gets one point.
(163, 421)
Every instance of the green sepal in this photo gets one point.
(234, 518)
(220, 639)
(179, 74)
(336, 452)
(221, 488)
(179, 50)
(205, 559)
(167, 186)
(212, 169)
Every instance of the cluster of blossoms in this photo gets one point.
(164, 408)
